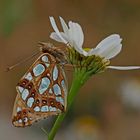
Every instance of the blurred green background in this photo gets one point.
(108, 105)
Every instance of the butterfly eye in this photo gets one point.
(33, 94)
(24, 82)
(44, 102)
(37, 101)
(25, 119)
(29, 86)
(52, 103)
(24, 113)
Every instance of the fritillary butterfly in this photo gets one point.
(42, 91)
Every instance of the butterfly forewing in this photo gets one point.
(41, 92)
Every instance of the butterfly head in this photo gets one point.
(55, 51)
(45, 47)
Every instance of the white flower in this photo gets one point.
(73, 36)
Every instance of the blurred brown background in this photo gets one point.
(108, 105)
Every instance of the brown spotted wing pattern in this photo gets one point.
(41, 92)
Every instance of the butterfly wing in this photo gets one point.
(41, 92)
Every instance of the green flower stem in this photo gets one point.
(76, 85)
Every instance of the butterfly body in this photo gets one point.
(41, 92)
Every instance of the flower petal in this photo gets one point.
(76, 37)
(55, 37)
(72, 35)
(64, 25)
(56, 30)
(76, 34)
(109, 47)
(124, 67)
(80, 50)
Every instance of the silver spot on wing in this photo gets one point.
(56, 89)
(20, 89)
(44, 108)
(46, 60)
(20, 120)
(64, 86)
(37, 109)
(55, 73)
(28, 76)
(18, 109)
(51, 109)
(30, 102)
(38, 69)
(25, 94)
(45, 82)
(50, 91)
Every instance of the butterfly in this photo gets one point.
(42, 91)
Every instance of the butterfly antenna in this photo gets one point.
(44, 130)
(21, 62)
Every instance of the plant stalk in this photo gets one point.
(76, 84)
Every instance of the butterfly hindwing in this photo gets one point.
(41, 92)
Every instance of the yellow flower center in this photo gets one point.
(87, 49)
(92, 64)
